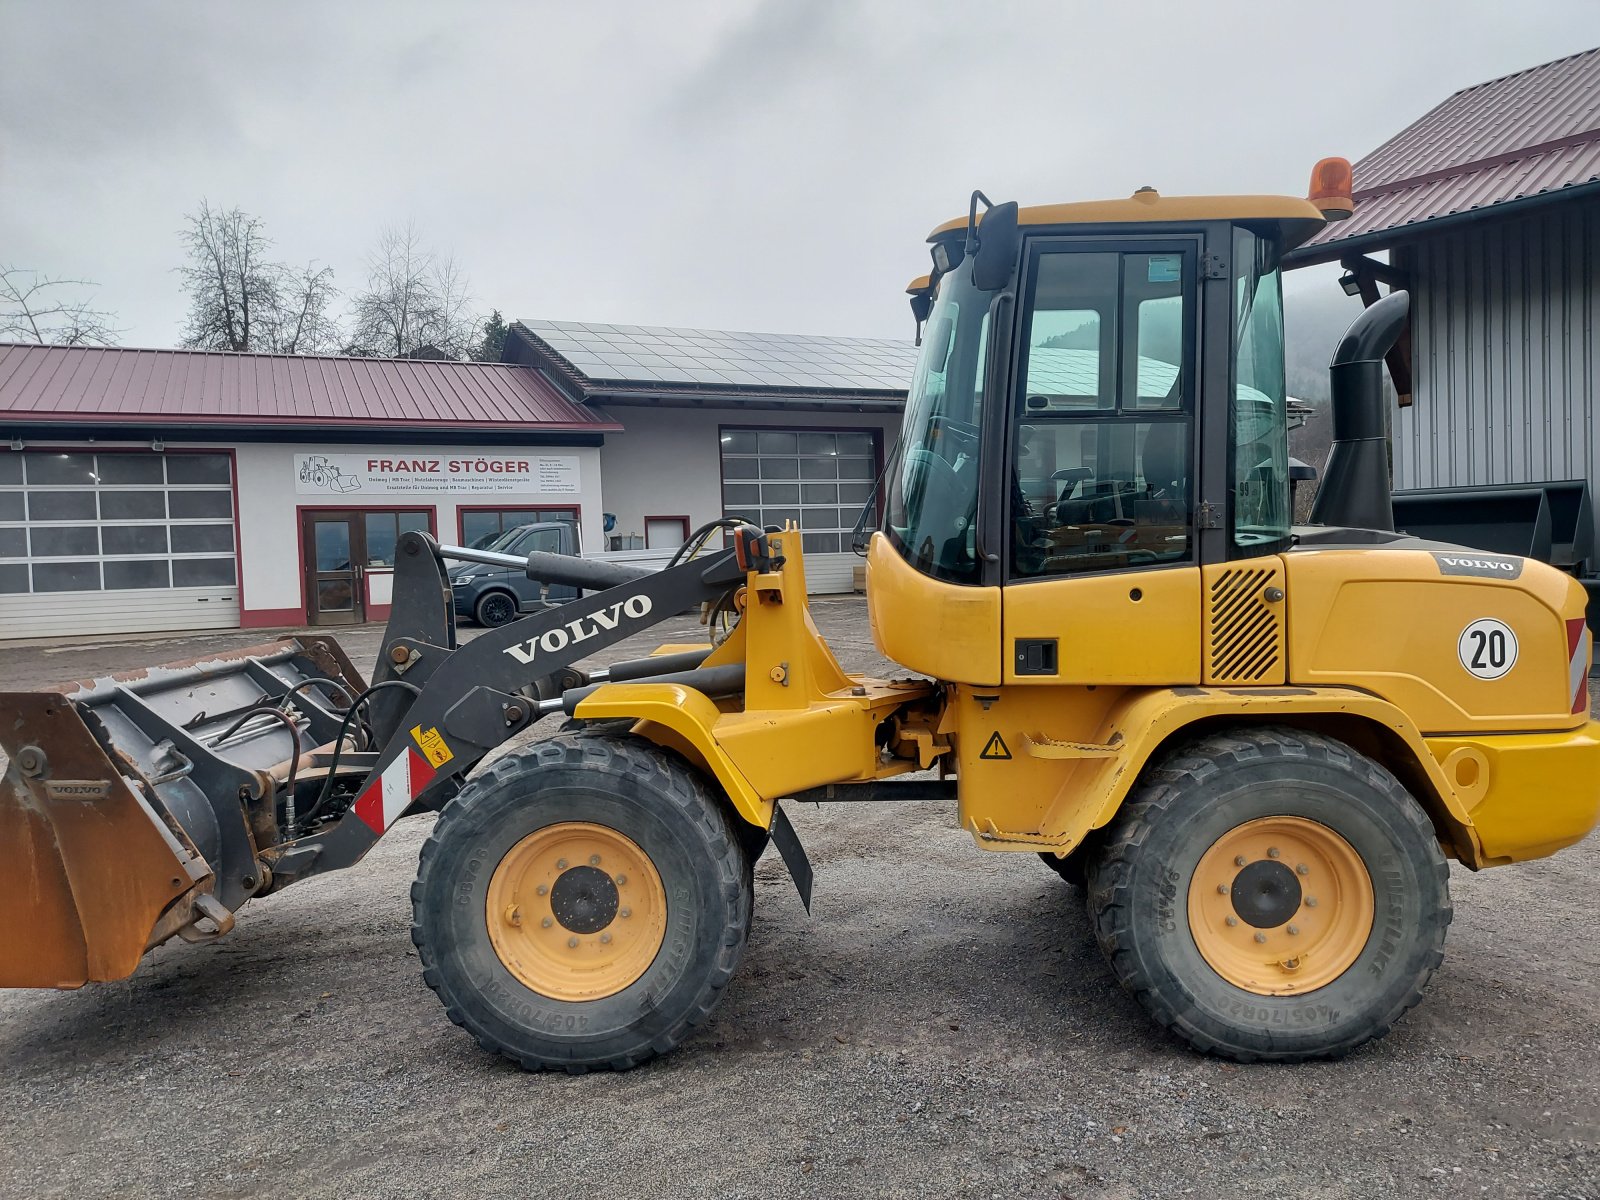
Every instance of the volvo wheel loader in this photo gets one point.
(1257, 745)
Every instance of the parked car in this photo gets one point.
(495, 595)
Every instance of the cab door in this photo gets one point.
(1102, 564)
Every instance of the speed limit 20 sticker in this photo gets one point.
(1487, 648)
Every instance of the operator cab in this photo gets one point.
(1074, 389)
(1097, 417)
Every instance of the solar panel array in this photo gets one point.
(653, 354)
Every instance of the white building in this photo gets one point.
(147, 490)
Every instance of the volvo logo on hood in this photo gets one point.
(580, 629)
(1486, 566)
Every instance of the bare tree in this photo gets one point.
(416, 304)
(232, 286)
(303, 323)
(242, 299)
(37, 308)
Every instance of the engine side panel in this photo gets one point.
(1459, 641)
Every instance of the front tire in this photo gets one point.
(1269, 894)
(582, 904)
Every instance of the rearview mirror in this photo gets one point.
(921, 306)
(999, 240)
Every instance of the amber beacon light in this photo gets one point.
(1333, 187)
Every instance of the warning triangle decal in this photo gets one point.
(995, 747)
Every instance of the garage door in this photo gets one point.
(819, 480)
(119, 542)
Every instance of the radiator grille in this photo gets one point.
(1244, 630)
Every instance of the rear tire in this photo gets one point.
(600, 987)
(494, 609)
(1269, 894)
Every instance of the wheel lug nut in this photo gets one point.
(605, 939)
(561, 864)
(1233, 920)
(1302, 869)
(546, 923)
(1311, 901)
(1261, 937)
(573, 942)
(594, 860)
(625, 913)
(542, 890)
(621, 879)
(1240, 860)
(1293, 929)
(1222, 889)
(1274, 852)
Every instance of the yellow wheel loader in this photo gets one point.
(1258, 745)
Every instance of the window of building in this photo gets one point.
(384, 530)
(665, 533)
(115, 521)
(480, 526)
(818, 480)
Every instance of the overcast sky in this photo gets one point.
(767, 166)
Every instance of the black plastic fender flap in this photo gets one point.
(794, 854)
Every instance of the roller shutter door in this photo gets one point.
(116, 542)
(818, 479)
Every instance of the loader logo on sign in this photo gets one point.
(432, 745)
(995, 747)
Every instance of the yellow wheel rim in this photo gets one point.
(1280, 906)
(576, 911)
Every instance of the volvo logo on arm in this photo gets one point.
(580, 629)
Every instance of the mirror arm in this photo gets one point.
(972, 219)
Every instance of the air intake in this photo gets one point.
(1244, 637)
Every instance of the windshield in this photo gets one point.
(1261, 510)
(933, 478)
(496, 541)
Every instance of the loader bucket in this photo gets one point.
(140, 806)
(87, 868)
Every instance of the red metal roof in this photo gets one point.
(1515, 138)
(112, 386)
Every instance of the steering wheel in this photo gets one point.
(940, 487)
(962, 433)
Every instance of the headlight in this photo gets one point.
(459, 580)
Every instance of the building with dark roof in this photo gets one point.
(771, 427)
(1488, 210)
(172, 489)
(146, 490)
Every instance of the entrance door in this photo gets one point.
(335, 551)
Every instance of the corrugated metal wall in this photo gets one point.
(1506, 362)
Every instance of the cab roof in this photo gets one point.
(1299, 218)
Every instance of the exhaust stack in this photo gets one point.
(1355, 492)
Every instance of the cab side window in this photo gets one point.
(1103, 433)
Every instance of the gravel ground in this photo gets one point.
(942, 1025)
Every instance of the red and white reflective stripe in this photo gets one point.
(1578, 643)
(391, 793)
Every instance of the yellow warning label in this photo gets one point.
(434, 749)
(995, 747)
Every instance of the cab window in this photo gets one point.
(1103, 436)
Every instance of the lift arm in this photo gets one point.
(470, 698)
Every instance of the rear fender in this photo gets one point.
(681, 719)
(1148, 723)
